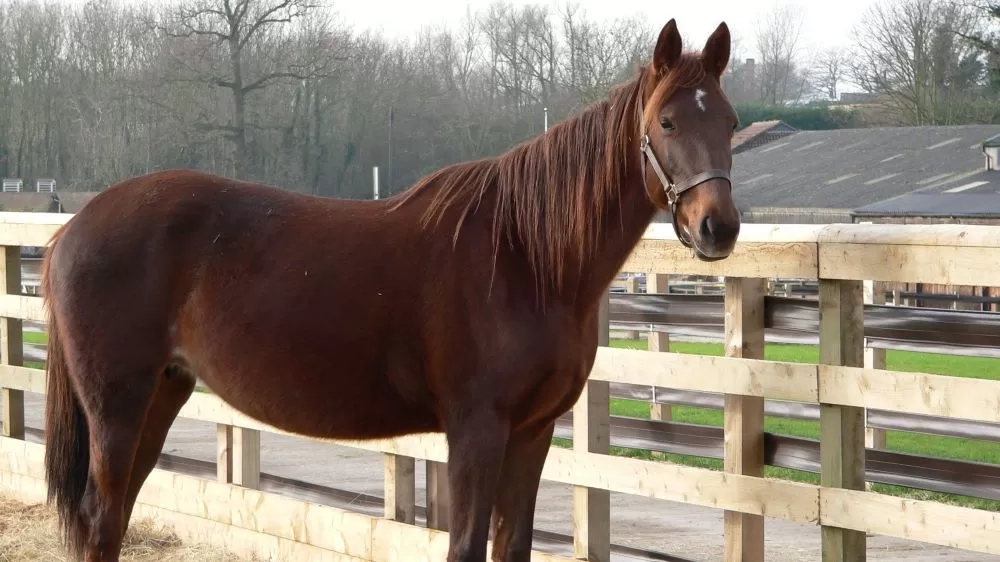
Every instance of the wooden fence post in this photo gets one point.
(592, 433)
(744, 415)
(632, 287)
(842, 428)
(874, 293)
(437, 495)
(658, 341)
(400, 488)
(12, 344)
(238, 456)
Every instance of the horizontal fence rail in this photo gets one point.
(233, 508)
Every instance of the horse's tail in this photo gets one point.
(67, 436)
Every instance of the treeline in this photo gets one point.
(284, 91)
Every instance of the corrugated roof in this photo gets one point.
(967, 205)
(851, 168)
(759, 133)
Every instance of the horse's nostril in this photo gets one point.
(708, 228)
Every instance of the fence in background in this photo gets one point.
(233, 510)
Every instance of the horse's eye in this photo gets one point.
(667, 124)
(736, 125)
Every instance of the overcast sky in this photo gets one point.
(826, 23)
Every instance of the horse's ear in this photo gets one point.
(668, 48)
(715, 55)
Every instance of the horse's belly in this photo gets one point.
(333, 406)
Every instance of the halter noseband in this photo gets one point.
(672, 190)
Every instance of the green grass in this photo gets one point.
(914, 443)
(37, 338)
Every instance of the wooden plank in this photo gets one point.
(27, 379)
(11, 342)
(748, 259)
(658, 342)
(592, 434)
(749, 377)
(874, 293)
(842, 428)
(246, 457)
(249, 522)
(751, 233)
(917, 520)
(913, 393)
(21, 307)
(438, 498)
(224, 453)
(20, 232)
(400, 488)
(744, 415)
(909, 263)
(947, 235)
(792, 501)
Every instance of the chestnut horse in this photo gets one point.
(467, 305)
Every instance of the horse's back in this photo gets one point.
(272, 298)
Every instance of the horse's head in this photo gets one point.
(686, 126)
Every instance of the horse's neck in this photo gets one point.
(622, 228)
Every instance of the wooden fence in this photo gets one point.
(233, 512)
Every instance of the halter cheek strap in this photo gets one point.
(673, 190)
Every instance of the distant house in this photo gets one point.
(758, 134)
(824, 176)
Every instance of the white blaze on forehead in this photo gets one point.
(699, 98)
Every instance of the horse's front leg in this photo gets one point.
(514, 509)
(477, 440)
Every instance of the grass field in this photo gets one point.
(920, 444)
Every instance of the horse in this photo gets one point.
(466, 305)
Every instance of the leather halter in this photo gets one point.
(673, 190)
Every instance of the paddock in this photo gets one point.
(232, 503)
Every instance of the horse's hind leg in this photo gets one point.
(176, 386)
(116, 383)
(514, 508)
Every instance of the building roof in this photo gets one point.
(73, 201)
(851, 168)
(28, 201)
(759, 133)
(959, 205)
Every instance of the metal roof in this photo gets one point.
(967, 205)
(851, 168)
(758, 134)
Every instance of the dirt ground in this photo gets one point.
(28, 533)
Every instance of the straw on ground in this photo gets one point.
(28, 533)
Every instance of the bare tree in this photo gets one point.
(779, 75)
(907, 52)
(830, 68)
(248, 47)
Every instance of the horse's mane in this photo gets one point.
(549, 194)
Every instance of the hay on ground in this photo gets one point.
(28, 533)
